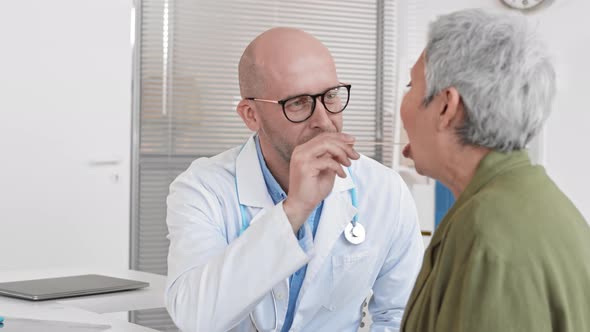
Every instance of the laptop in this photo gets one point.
(62, 287)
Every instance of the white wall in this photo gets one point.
(567, 155)
(565, 27)
(65, 101)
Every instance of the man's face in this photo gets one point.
(311, 74)
(418, 121)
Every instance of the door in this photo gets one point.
(65, 133)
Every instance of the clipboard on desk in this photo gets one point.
(71, 286)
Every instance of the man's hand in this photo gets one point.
(314, 166)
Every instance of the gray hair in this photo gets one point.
(502, 72)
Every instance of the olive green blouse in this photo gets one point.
(512, 254)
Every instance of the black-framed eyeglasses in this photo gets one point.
(300, 108)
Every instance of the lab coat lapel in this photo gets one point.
(337, 212)
(253, 194)
(250, 182)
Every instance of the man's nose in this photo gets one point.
(320, 117)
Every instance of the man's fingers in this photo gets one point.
(337, 148)
(338, 155)
(328, 164)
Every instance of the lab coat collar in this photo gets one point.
(250, 182)
(252, 191)
(341, 184)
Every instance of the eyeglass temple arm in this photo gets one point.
(264, 100)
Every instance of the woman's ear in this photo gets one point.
(248, 115)
(451, 110)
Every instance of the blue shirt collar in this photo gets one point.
(274, 189)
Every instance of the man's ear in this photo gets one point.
(451, 111)
(248, 115)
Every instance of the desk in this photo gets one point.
(92, 309)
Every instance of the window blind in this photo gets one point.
(186, 88)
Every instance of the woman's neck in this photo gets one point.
(461, 166)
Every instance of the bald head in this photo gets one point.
(274, 55)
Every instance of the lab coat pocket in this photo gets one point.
(350, 275)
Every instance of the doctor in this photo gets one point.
(292, 230)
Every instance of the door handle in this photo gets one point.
(104, 162)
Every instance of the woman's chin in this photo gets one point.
(407, 151)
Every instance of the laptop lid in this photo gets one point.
(61, 287)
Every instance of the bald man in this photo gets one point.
(294, 229)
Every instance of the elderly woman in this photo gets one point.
(513, 252)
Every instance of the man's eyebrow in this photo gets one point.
(307, 94)
(296, 95)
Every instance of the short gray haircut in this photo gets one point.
(250, 75)
(501, 70)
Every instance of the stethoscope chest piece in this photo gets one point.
(354, 233)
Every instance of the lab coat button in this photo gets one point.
(280, 296)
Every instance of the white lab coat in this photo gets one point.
(218, 281)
